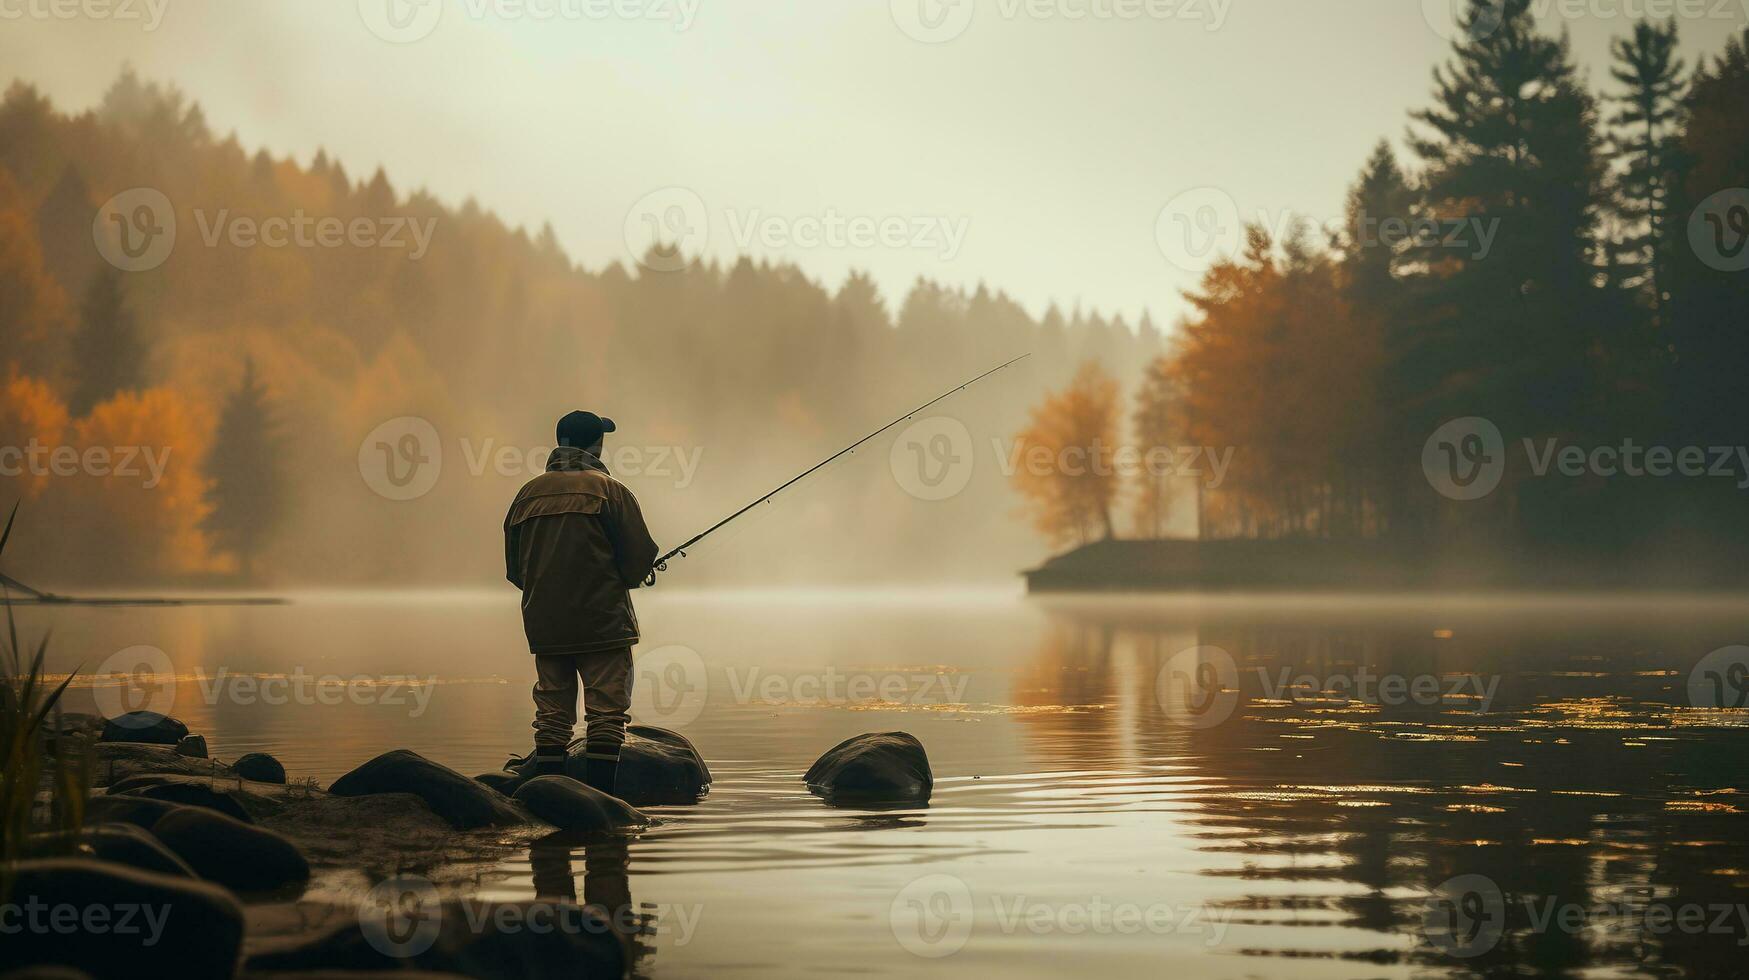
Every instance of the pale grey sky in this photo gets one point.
(1030, 144)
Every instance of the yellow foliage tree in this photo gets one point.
(1066, 472)
(33, 420)
(135, 504)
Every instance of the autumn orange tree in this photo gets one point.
(1277, 367)
(1065, 459)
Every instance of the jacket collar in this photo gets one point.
(569, 459)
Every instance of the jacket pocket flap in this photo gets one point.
(548, 505)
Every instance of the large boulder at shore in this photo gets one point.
(655, 766)
(260, 767)
(193, 746)
(136, 810)
(466, 803)
(539, 940)
(883, 767)
(570, 805)
(120, 843)
(136, 847)
(231, 852)
(152, 925)
(149, 727)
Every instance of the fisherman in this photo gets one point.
(575, 544)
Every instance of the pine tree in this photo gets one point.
(1709, 305)
(109, 355)
(247, 493)
(1646, 122)
(1512, 154)
(1377, 203)
(63, 223)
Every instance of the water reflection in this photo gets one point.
(606, 887)
(1311, 772)
(1555, 765)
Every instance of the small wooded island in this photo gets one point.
(1317, 564)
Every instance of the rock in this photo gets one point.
(655, 766)
(260, 767)
(570, 805)
(884, 767)
(184, 791)
(493, 941)
(504, 782)
(231, 852)
(122, 843)
(149, 727)
(136, 810)
(465, 803)
(193, 746)
(136, 847)
(153, 925)
(115, 761)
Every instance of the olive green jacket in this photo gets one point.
(575, 544)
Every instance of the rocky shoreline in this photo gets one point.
(214, 860)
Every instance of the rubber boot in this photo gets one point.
(602, 773)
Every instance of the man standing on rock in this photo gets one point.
(575, 544)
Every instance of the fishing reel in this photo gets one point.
(661, 566)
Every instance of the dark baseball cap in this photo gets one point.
(580, 430)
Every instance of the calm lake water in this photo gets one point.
(1124, 787)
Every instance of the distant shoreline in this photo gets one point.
(1342, 567)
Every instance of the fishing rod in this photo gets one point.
(680, 552)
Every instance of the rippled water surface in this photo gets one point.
(1136, 786)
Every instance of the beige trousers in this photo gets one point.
(607, 699)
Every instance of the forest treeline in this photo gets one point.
(1564, 263)
(1312, 369)
(258, 372)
